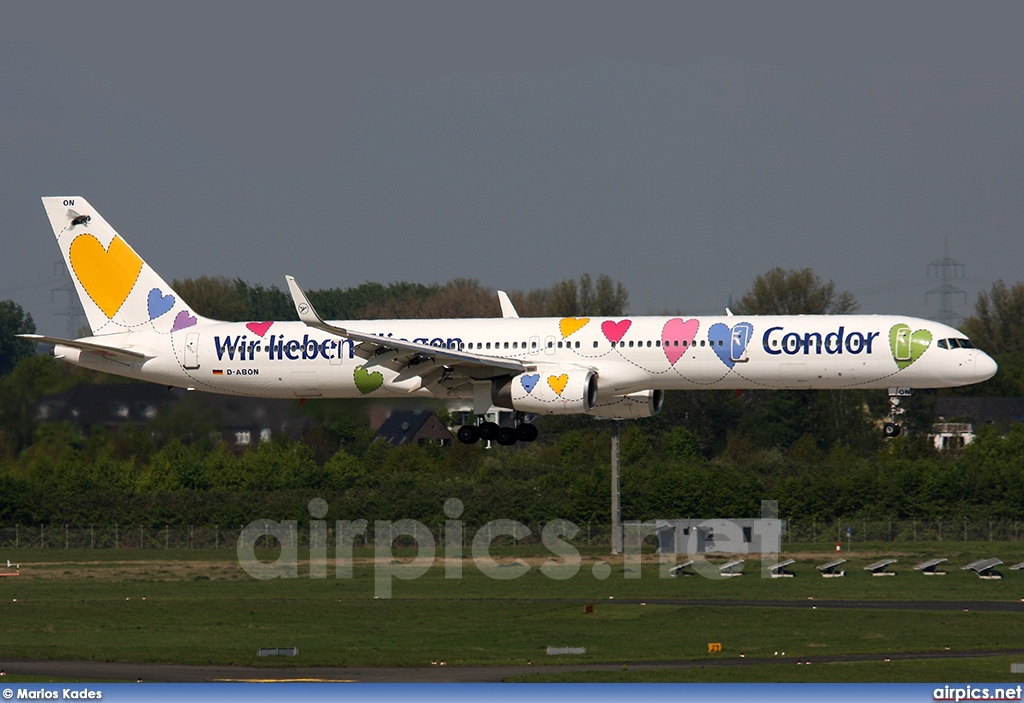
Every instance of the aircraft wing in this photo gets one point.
(408, 358)
(113, 352)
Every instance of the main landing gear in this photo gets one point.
(505, 436)
(891, 428)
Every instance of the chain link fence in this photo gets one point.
(51, 536)
(860, 530)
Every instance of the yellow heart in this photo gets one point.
(558, 383)
(108, 275)
(568, 325)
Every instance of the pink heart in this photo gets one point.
(614, 331)
(259, 328)
(182, 321)
(676, 337)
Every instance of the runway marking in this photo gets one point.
(285, 680)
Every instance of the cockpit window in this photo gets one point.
(956, 343)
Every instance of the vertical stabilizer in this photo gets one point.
(119, 291)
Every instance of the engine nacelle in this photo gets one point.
(628, 407)
(551, 389)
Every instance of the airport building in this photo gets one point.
(737, 536)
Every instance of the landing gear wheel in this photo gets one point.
(891, 427)
(468, 434)
(526, 432)
(506, 436)
(488, 431)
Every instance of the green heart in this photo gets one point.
(368, 382)
(908, 347)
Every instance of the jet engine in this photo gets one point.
(628, 407)
(550, 389)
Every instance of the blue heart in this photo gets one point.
(529, 381)
(159, 304)
(730, 344)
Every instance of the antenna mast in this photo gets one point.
(73, 309)
(946, 269)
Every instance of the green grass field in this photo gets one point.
(202, 608)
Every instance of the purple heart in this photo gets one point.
(730, 344)
(159, 304)
(182, 321)
(529, 381)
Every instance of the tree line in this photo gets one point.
(133, 475)
(237, 301)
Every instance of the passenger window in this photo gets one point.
(550, 345)
(595, 344)
(657, 342)
(506, 345)
(631, 344)
(685, 343)
(488, 345)
(577, 345)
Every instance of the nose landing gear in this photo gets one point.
(891, 428)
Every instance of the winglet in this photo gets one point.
(508, 310)
(303, 307)
(306, 311)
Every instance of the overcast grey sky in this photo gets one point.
(680, 148)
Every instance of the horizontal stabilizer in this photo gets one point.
(116, 352)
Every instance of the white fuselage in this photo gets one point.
(628, 354)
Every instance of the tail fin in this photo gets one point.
(119, 291)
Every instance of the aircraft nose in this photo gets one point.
(985, 367)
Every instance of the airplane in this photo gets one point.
(611, 367)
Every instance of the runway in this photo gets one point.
(127, 671)
(986, 606)
(176, 673)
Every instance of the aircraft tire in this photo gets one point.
(891, 429)
(526, 432)
(507, 436)
(488, 430)
(468, 434)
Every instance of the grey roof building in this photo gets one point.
(413, 427)
(241, 421)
